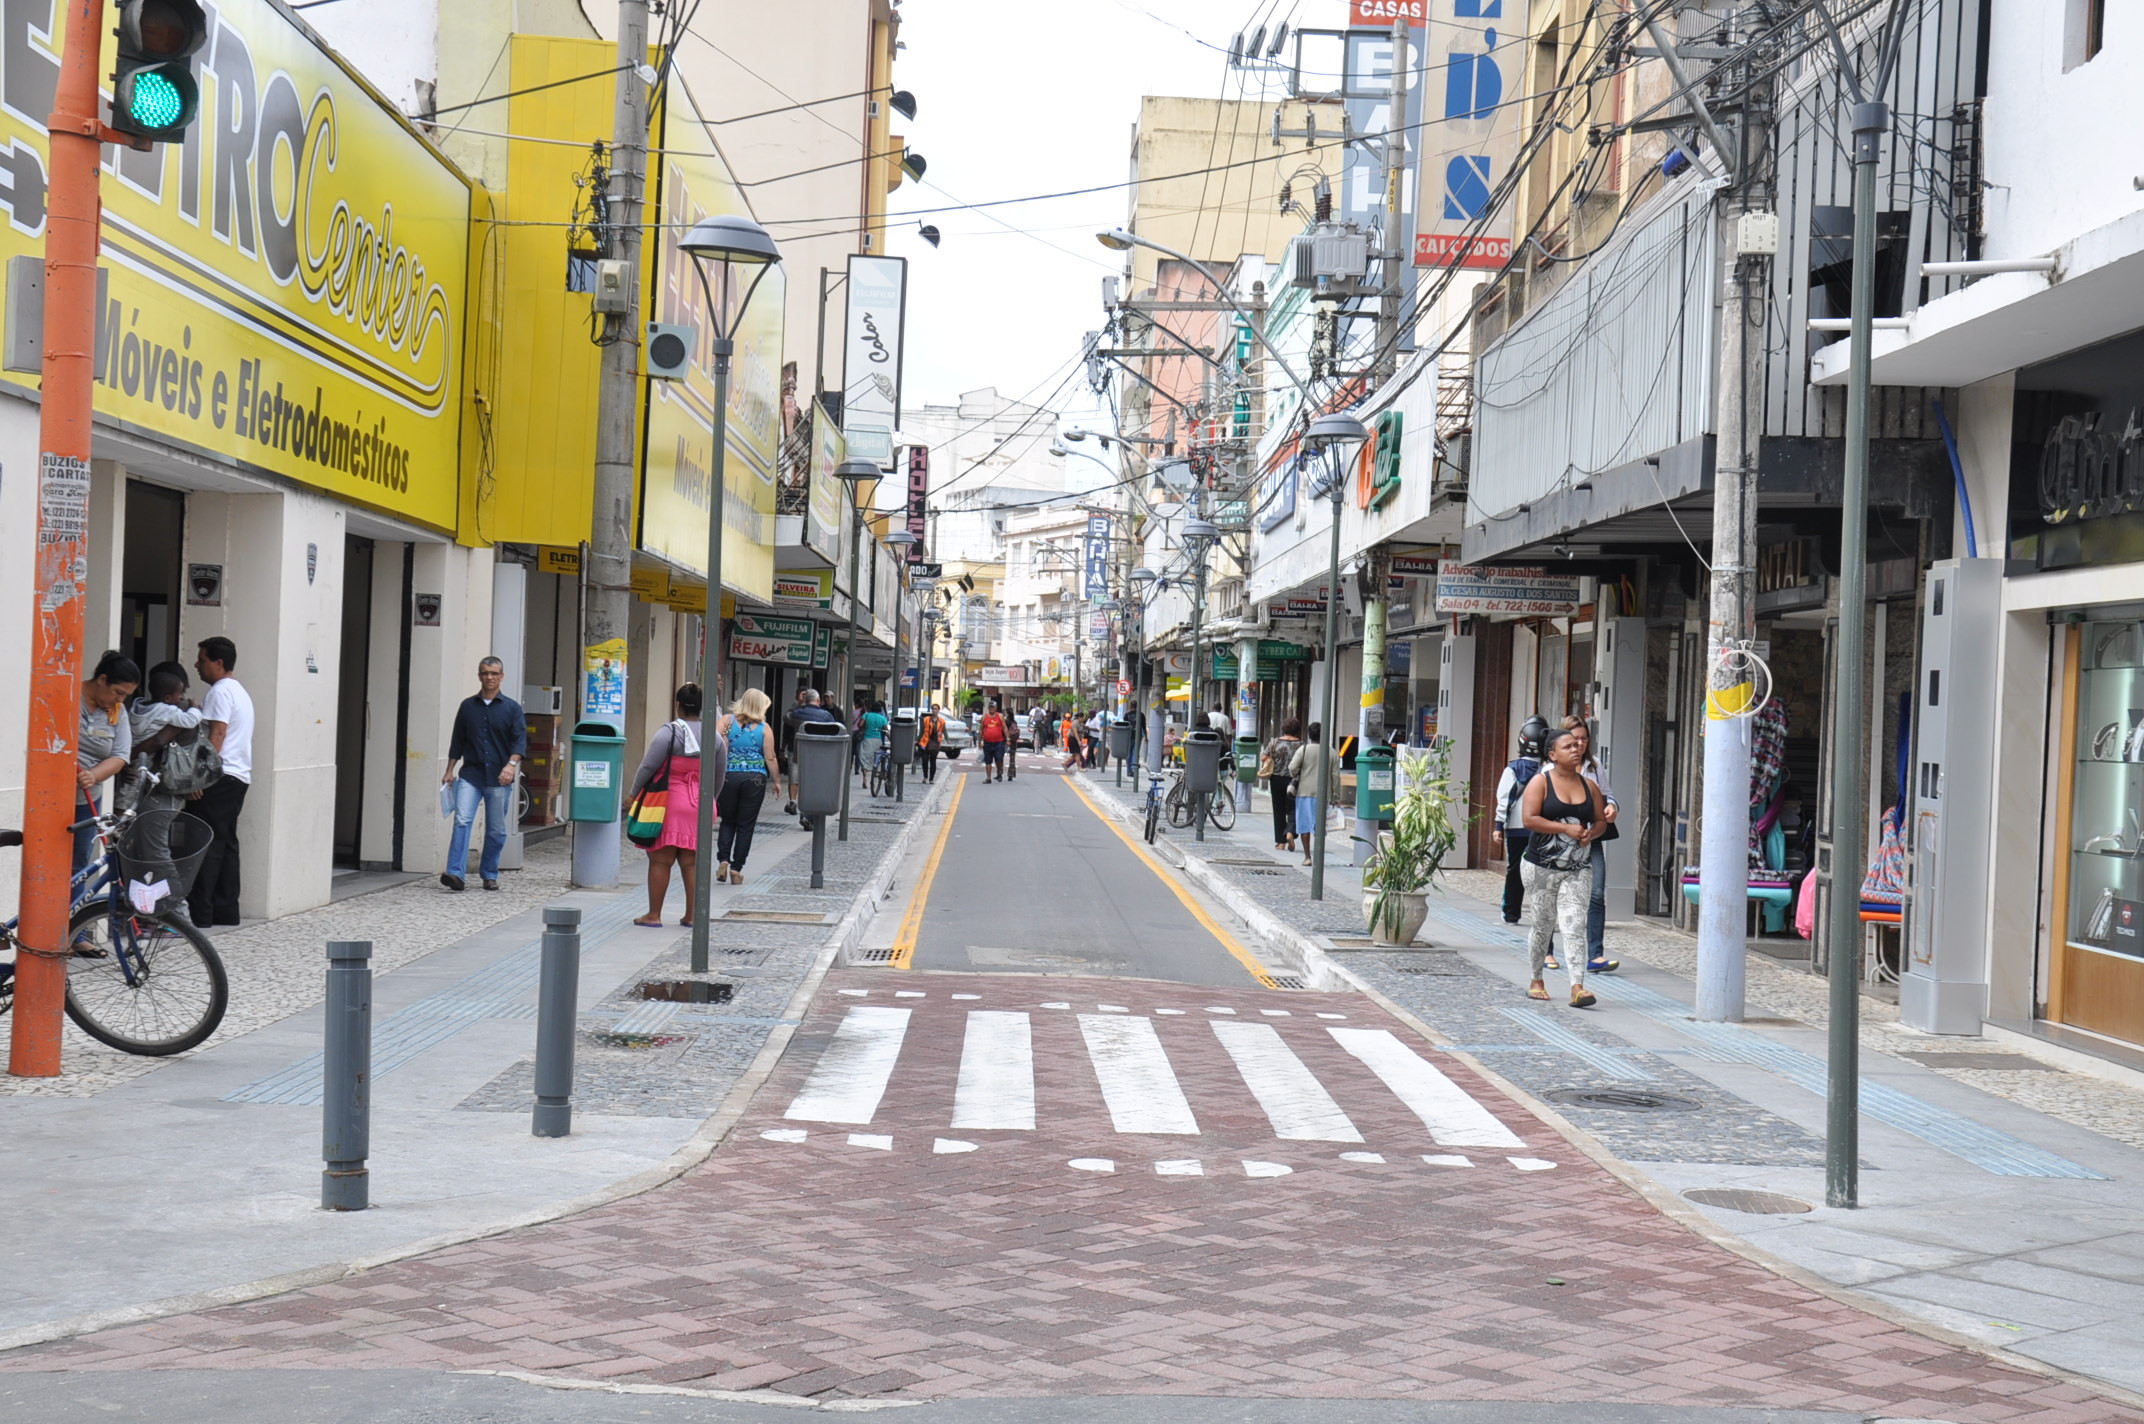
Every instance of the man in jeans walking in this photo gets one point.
(227, 718)
(490, 738)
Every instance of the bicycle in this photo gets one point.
(146, 982)
(1220, 806)
(879, 781)
(1153, 805)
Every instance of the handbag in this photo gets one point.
(1265, 764)
(188, 764)
(645, 813)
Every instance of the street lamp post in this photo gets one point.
(1143, 580)
(900, 540)
(853, 473)
(735, 245)
(1334, 436)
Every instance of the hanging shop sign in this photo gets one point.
(1014, 675)
(1524, 592)
(871, 393)
(2091, 468)
(693, 184)
(787, 642)
(564, 562)
(822, 503)
(1095, 558)
(286, 286)
(804, 588)
(1276, 494)
(1790, 575)
(822, 645)
(919, 498)
(1222, 665)
(1470, 139)
(1381, 466)
(1415, 565)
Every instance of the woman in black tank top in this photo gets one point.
(1562, 810)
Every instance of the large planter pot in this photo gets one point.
(1413, 911)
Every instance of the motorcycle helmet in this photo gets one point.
(1531, 734)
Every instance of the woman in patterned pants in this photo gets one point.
(1563, 811)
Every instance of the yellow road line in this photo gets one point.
(1198, 912)
(904, 945)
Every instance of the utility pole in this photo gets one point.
(608, 594)
(49, 799)
(1396, 242)
(1730, 687)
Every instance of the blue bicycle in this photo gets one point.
(142, 981)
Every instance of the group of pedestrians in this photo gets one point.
(733, 763)
(1555, 810)
(168, 754)
(1291, 764)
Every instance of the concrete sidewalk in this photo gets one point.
(1998, 1191)
(137, 1187)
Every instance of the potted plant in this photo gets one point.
(1427, 817)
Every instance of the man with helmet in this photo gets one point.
(1510, 831)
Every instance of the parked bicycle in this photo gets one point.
(878, 780)
(1154, 803)
(141, 977)
(1220, 806)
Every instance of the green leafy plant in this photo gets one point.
(1428, 816)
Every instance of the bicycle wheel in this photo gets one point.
(156, 988)
(1153, 817)
(1179, 806)
(1221, 809)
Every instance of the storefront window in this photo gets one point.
(2106, 842)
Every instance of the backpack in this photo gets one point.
(993, 727)
(1523, 770)
(187, 764)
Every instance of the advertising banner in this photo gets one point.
(1526, 592)
(823, 500)
(919, 495)
(871, 380)
(286, 286)
(804, 588)
(1000, 676)
(1095, 559)
(1474, 64)
(789, 642)
(694, 184)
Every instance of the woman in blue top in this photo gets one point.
(873, 727)
(752, 755)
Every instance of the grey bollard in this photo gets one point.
(557, 1015)
(346, 1078)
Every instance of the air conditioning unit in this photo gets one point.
(1331, 260)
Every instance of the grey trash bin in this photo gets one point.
(822, 761)
(1202, 760)
(1120, 739)
(902, 745)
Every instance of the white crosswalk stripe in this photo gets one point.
(997, 1073)
(851, 1075)
(1453, 1118)
(1137, 1082)
(1295, 1102)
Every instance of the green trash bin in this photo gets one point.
(597, 788)
(1374, 784)
(1247, 759)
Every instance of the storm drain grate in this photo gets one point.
(872, 954)
(1287, 981)
(777, 917)
(1623, 1100)
(1754, 1202)
(1255, 864)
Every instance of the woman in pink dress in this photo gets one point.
(695, 770)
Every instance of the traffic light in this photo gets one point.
(154, 95)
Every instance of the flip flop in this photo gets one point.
(1583, 1000)
(1536, 991)
(649, 924)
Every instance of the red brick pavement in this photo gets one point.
(821, 1268)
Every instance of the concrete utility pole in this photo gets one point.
(607, 599)
(1730, 686)
(1396, 242)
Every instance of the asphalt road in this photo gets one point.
(1034, 879)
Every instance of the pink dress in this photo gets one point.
(681, 812)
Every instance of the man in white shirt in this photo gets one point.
(227, 715)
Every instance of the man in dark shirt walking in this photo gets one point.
(809, 708)
(491, 736)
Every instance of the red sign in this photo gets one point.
(1379, 14)
(1439, 250)
(1124, 687)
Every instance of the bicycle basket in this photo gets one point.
(158, 856)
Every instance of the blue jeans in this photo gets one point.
(495, 801)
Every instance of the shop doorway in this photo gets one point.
(150, 574)
(350, 700)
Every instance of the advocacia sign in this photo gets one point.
(286, 286)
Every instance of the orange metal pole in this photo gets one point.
(71, 240)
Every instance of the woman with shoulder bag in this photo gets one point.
(1273, 765)
(1562, 810)
(687, 768)
(1589, 766)
(744, 732)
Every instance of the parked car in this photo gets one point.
(957, 736)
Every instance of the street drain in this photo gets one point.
(1623, 1100)
(872, 954)
(1287, 981)
(776, 917)
(686, 991)
(1754, 1202)
(1228, 860)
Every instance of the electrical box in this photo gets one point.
(668, 350)
(1331, 260)
(1757, 235)
(614, 286)
(1944, 986)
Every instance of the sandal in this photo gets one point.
(1581, 999)
(655, 924)
(1537, 990)
(1551, 963)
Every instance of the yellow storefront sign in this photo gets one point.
(550, 560)
(286, 286)
(680, 414)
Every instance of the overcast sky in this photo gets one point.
(1014, 98)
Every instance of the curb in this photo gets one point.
(695, 1150)
(1322, 972)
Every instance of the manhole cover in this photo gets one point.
(686, 991)
(775, 917)
(1754, 1202)
(1992, 1062)
(1623, 1100)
